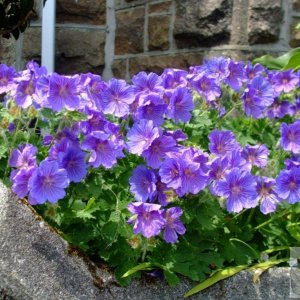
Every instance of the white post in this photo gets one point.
(48, 35)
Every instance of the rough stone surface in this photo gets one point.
(239, 23)
(119, 68)
(202, 23)
(158, 32)
(264, 21)
(36, 264)
(79, 51)
(34, 260)
(159, 7)
(81, 11)
(295, 35)
(158, 63)
(296, 5)
(130, 31)
(32, 44)
(7, 51)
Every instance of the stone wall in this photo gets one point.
(122, 37)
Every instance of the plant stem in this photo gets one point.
(271, 219)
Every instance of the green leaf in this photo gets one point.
(268, 264)
(87, 212)
(247, 248)
(294, 230)
(76, 116)
(217, 276)
(293, 63)
(171, 277)
(141, 267)
(3, 151)
(276, 63)
(49, 114)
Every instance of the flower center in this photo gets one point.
(48, 181)
(291, 136)
(292, 185)
(235, 190)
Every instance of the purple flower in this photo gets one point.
(170, 173)
(48, 182)
(280, 109)
(11, 127)
(294, 161)
(193, 180)
(141, 136)
(96, 122)
(24, 93)
(262, 90)
(20, 181)
(253, 71)
(73, 161)
(222, 142)
(163, 192)
(143, 183)
(147, 219)
(173, 225)
(153, 109)
(172, 78)
(236, 76)
(42, 91)
(284, 81)
(63, 92)
(155, 154)
(178, 135)
(181, 105)
(235, 160)
(290, 137)
(7, 75)
(103, 150)
(256, 155)
(145, 84)
(216, 68)
(117, 98)
(239, 188)
(266, 194)
(218, 168)
(252, 104)
(288, 185)
(206, 87)
(94, 86)
(47, 139)
(23, 157)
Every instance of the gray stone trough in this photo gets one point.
(36, 263)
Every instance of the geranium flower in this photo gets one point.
(48, 182)
(256, 155)
(73, 161)
(290, 137)
(173, 225)
(141, 136)
(266, 194)
(63, 92)
(181, 105)
(222, 142)
(143, 183)
(288, 185)
(23, 157)
(117, 97)
(239, 189)
(148, 219)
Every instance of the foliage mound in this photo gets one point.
(185, 173)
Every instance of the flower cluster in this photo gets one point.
(121, 119)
